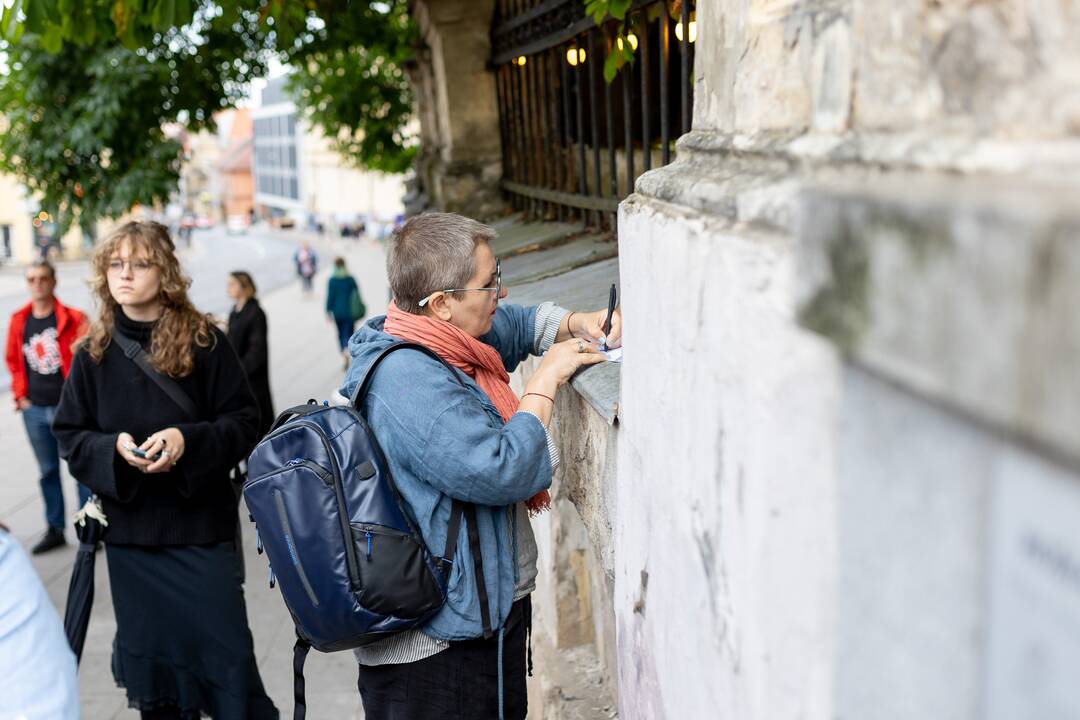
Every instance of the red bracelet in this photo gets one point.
(568, 328)
(540, 395)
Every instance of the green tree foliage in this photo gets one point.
(622, 48)
(350, 82)
(85, 124)
(91, 83)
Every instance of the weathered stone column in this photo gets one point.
(462, 161)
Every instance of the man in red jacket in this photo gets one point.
(39, 353)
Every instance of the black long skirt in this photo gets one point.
(182, 636)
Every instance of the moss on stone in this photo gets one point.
(839, 310)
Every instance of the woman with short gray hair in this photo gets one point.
(469, 439)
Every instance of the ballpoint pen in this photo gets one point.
(610, 311)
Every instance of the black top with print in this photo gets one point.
(42, 353)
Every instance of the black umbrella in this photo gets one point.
(90, 526)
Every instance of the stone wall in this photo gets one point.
(851, 360)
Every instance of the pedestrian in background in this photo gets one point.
(154, 415)
(307, 263)
(344, 304)
(40, 336)
(247, 333)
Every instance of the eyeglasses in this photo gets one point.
(138, 267)
(497, 289)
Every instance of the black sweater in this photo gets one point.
(247, 333)
(193, 503)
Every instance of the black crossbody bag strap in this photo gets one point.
(170, 387)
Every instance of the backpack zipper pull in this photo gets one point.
(368, 536)
(270, 568)
(258, 541)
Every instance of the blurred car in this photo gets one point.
(237, 224)
(204, 222)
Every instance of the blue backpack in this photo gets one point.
(350, 563)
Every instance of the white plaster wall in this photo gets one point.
(726, 494)
(913, 493)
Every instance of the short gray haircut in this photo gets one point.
(431, 252)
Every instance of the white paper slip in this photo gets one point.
(613, 355)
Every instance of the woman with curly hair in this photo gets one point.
(156, 442)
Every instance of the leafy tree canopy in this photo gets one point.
(91, 83)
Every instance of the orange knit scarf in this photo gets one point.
(478, 360)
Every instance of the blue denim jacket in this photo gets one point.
(445, 441)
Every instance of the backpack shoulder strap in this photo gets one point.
(365, 381)
(137, 355)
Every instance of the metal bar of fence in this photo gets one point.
(662, 66)
(539, 101)
(512, 126)
(568, 156)
(500, 100)
(530, 136)
(519, 126)
(554, 175)
(594, 121)
(684, 50)
(645, 134)
(579, 112)
(511, 136)
(545, 117)
(583, 202)
(537, 144)
(613, 180)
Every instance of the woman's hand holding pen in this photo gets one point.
(590, 327)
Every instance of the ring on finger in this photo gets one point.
(580, 346)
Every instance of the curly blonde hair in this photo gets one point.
(180, 328)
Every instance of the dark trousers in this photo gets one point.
(459, 683)
(345, 328)
(38, 420)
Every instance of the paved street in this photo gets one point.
(304, 363)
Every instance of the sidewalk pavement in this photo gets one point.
(304, 363)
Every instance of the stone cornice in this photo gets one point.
(949, 267)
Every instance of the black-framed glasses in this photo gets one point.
(497, 289)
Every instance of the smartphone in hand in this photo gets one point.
(142, 453)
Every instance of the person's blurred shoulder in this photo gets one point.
(36, 664)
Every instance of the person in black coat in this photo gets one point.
(160, 463)
(247, 333)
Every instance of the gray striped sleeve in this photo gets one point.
(553, 449)
(548, 318)
(404, 647)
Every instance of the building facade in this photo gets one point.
(298, 176)
(28, 233)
